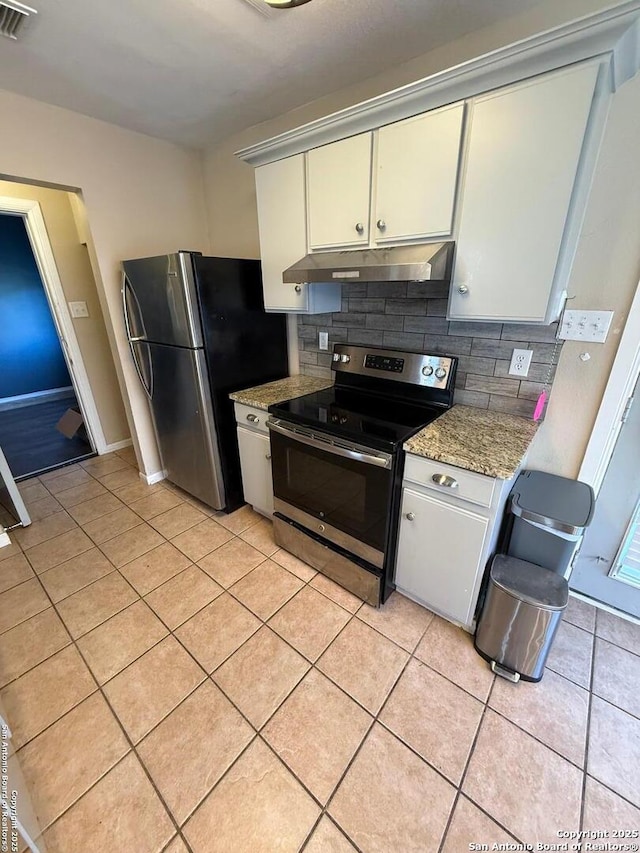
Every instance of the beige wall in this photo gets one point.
(142, 197)
(76, 276)
(607, 265)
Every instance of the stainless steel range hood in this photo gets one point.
(426, 262)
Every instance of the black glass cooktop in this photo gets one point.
(367, 419)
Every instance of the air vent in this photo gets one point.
(13, 17)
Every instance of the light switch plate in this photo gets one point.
(585, 326)
(520, 362)
(323, 340)
(78, 309)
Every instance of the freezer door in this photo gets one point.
(183, 417)
(160, 301)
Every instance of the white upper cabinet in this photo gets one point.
(415, 176)
(339, 192)
(280, 190)
(522, 160)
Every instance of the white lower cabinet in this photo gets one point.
(447, 534)
(255, 458)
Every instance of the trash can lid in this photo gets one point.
(530, 583)
(555, 502)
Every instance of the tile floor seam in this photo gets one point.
(446, 677)
(22, 621)
(613, 791)
(586, 745)
(375, 718)
(132, 745)
(460, 792)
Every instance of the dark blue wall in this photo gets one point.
(30, 352)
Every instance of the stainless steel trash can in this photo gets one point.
(521, 614)
(550, 515)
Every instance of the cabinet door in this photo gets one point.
(439, 554)
(416, 175)
(282, 218)
(283, 238)
(523, 155)
(338, 185)
(255, 461)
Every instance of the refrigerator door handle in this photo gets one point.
(148, 388)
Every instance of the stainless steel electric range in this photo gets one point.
(337, 462)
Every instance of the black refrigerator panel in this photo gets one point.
(160, 300)
(244, 346)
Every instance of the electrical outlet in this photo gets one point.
(520, 362)
(323, 340)
(585, 326)
(78, 309)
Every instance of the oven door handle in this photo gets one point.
(382, 460)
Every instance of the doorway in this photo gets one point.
(40, 422)
(604, 569)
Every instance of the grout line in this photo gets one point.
(588, 733)
(312, 665)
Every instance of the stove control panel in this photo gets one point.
(414, 368)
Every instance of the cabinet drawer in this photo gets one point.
(251, 417)
(472, 487)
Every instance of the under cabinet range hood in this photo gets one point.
(425, 262)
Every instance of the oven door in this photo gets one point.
(335, 488)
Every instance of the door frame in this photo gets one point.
(620, 387)
(31, 213)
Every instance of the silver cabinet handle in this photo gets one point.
(381, 224)
(445, 480)
(359, 227)
(463, 289)
(254, 419)
(268, 456)
(297, 288)
(410, 516)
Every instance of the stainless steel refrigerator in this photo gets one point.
(197, 330)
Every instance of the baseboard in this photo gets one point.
(150, 479)
(117, 445)
(22, 400)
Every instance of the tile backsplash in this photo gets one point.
(412, 316)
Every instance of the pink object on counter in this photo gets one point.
(539, 409)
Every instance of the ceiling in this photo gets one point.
(196, 71)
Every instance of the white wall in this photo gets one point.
(143, 197)
(607, 266)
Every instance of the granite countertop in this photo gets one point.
(491, 443)
(263, 396)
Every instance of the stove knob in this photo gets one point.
(345, 359)
(427, 371)
(343, 420)
(440, 372)
(334, 419)
(336, 356)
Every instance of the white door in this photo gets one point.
(255, 461)
(523, 155)
(439, 553)
(13, 512)
(283, 238)
(338, 188)
(615, 508)
(416, 173)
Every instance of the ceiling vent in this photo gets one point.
(13, 17)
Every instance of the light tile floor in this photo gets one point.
(175, 682)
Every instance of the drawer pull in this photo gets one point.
(445, 480)
(268, 456)
(410, 516)
(254, 419)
